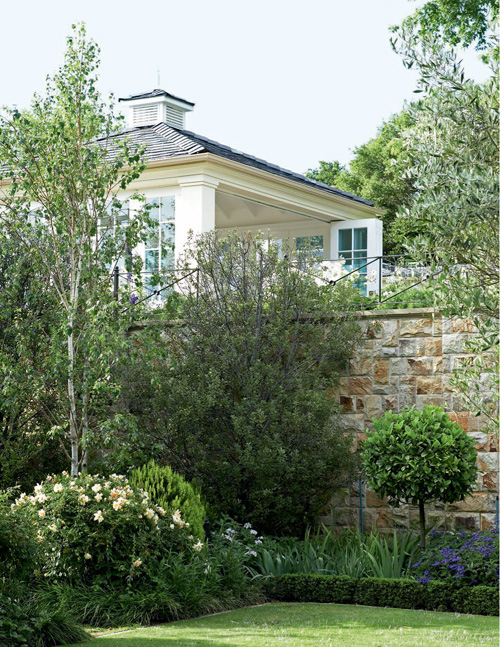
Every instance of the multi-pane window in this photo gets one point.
(115, 220)
(353, 247)
(159, 246)
(311, 245)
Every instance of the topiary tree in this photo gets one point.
(419, 456)
(172, 492)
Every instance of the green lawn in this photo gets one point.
(309, 625)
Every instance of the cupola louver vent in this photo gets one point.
(174, 117)
(145, 115)
(151, 108)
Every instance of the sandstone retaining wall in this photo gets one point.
(406, 359)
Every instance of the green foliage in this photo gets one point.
(460, 558)
(419, 456)
(172, 492)
(239, 398)
(59, 207)
(459, 22)
(454, 161)
(98, 529)
(400, 593)
(26, 621)
(377, 173)
(17, 542)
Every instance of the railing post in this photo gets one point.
(116, 276)
(380, 278)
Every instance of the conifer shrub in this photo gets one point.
(172, 492)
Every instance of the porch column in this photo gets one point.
(194, 210)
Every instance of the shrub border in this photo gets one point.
(379, 592)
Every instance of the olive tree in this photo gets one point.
(419, 456)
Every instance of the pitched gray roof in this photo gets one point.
(165, 142)
(152, 94)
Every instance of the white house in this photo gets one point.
(201, 185)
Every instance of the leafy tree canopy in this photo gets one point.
(458, 22)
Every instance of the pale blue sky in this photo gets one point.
(291, 82)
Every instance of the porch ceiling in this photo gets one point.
(235, 211)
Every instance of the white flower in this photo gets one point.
(253, 532)
(38, 488)
(172, 526)
(39, 536)
(149, 514)
(53, 527)
(137, 563)
(83, 499)
(177, 516)
(258, 541)
(96, 487)
(41, 513)
(98, 497)
(160, 510)
(99, 516)
(88, 556)
(251, 552)
(198, 546)
(247, 526)
(58, 487)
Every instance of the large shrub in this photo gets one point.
(242, 401)
(419, 456)
(99, 529)
(172, 492)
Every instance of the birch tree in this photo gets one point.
(61, 168)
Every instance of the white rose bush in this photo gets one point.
(99, 529)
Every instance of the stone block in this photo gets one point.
(381, 371)
(346, 403)
(423, 366)
(489, 481)
(432, 347)
(389, 351)
(346, 517)
(361, 366)
(478, 502)
(384, 518)
(390, 404)
(373, 406)
(437, 326)
(373, 330)
(466, 520)
(390, 332)
(487, 521)
(437, 519)
(481, 440)
(359, 386)
(400, 517)
(494, 442)
(352, 422)
(428, 384)
(360, 404)
(488, 461)
(453, 343)
(407, 347)
(344, 386)
(398, 366)
(406, 397)
(415, 327)
(422, 401)
(461, 326)
(382, 389)
(373, 501)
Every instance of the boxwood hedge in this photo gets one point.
(379, 592)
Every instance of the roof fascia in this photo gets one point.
(278, 191)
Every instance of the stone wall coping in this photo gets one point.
(397, 314)
(361, 314)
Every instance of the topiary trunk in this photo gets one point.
(422, 524)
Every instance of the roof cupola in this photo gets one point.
(150, 108)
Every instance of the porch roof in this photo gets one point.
(162, 141)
